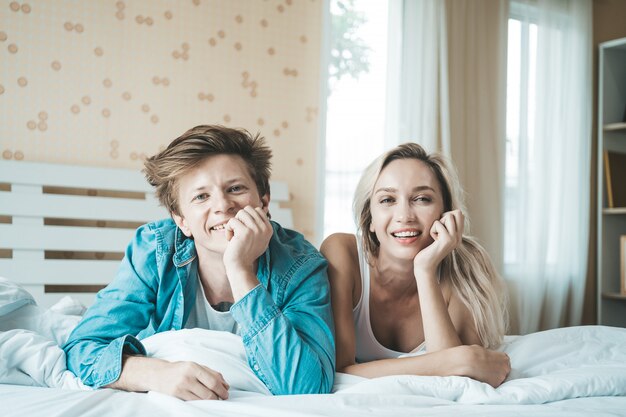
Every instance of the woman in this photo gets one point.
(410, 281)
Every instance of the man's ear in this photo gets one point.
(265, 202)
(182, 224)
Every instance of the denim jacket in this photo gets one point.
(285, 322)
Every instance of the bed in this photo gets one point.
(62, 229)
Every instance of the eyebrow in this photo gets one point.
(226, 184)
(393, 190)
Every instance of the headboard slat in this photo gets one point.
(35, 173)
(98, 239)
(59, 271)
(80, 207)
(53, 210)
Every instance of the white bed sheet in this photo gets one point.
(576, 371)
(20, 401)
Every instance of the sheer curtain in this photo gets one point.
(417, 74)
(547, 214)
(446, 91)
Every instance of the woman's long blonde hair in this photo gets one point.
(469, 267)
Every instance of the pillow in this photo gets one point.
(12, 297)
(221, 351)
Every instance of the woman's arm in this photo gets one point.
(471, 361)
(439, 330)
(343, 272)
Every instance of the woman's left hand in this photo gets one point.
(447, 234)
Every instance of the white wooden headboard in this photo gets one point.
(64, 229)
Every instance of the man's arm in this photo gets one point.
(103, 350)
(289, 340)
(107, 331)
(291, 347)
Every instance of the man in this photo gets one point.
(219, 263)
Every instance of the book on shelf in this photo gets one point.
(615, 176)
(615, 126)
(622, 251)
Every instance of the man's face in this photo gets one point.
(211, 194)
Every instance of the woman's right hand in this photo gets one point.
(482, 364)
(447, 234)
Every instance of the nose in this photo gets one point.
(222, 203)
(404, 213)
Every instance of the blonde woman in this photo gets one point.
(410, 281)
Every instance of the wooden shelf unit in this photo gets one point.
(611, 220)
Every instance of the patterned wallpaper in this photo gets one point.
(106, 82)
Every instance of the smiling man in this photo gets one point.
(219, 263)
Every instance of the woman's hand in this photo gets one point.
(447, 234)
(482, 364)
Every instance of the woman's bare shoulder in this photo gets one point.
(340, 249)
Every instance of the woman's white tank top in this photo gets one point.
(367, 347)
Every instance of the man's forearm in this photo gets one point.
(137, 374)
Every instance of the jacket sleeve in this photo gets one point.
(291, 346)
(121, 310)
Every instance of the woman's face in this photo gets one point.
(407, 199)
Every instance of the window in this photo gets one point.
(520, 123)
(356, 103)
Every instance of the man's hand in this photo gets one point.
(248, 234)
(184, 380)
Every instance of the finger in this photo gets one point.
(229, 232)
(438, 230)
(188, 396)
(460, 221)
(202, 392)
(258, 216)
(216, 376)
(433, 230)
(247, 220)
(449, 221)
(215, 383)
(236, 226)
(263, 215)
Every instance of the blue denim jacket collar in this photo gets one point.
(185, 252)
(184, 249)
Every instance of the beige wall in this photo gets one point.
(609, 22)
(105, 82)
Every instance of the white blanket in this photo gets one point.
(574, 362)
(584, 361)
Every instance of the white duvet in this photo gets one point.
(584, 361)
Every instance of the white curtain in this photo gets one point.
(446, 91)
(416, 74)
(549, 216)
